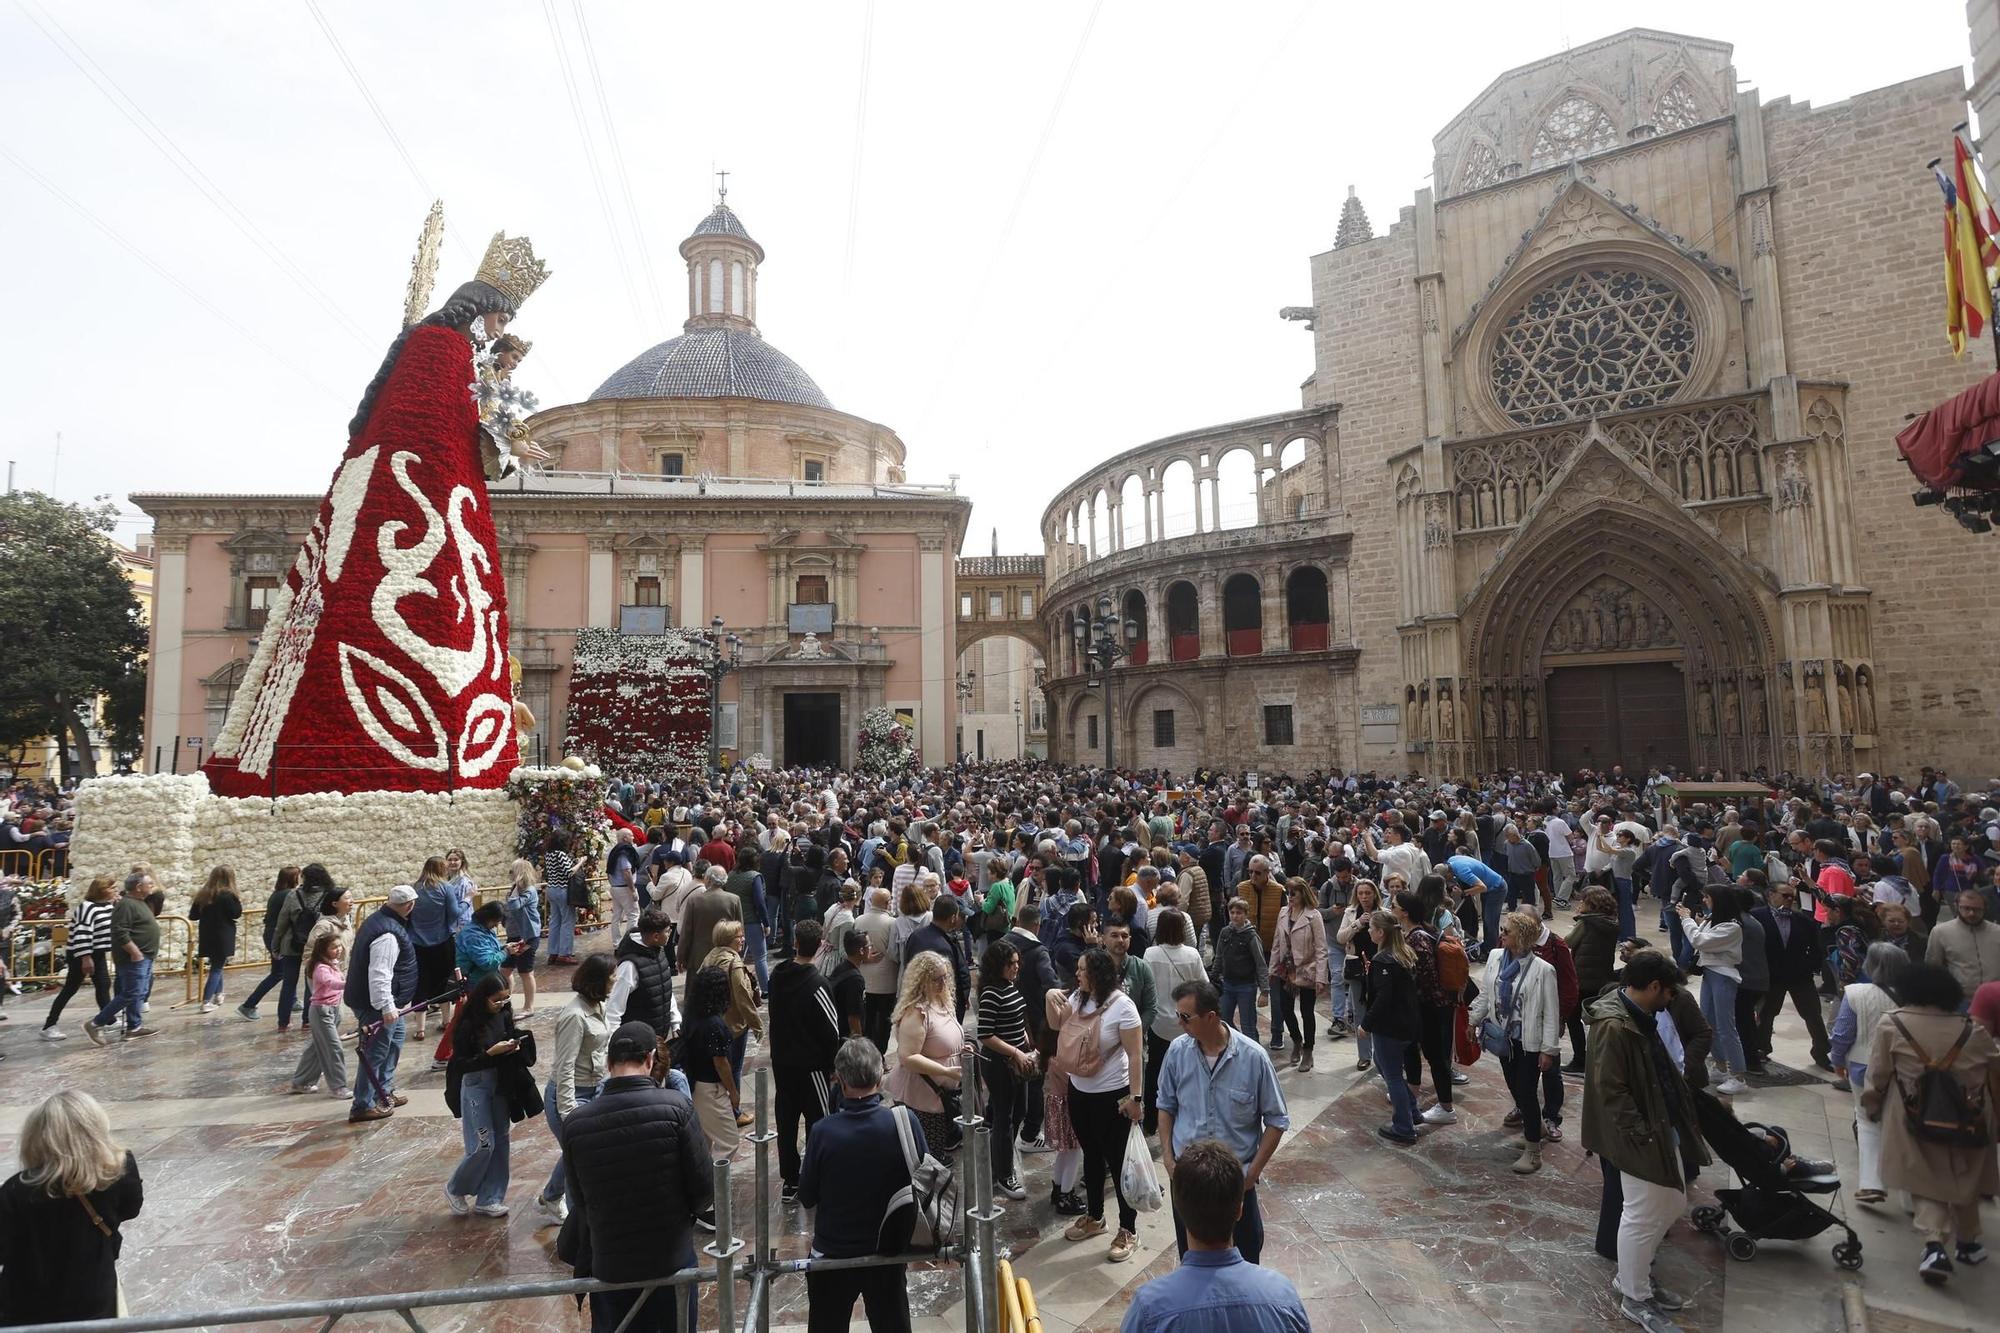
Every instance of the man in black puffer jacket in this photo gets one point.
(642, 989)
(805, 1032)
(638, 1168)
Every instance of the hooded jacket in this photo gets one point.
(805, 1028)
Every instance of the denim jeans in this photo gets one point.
(558, 1186)
(1489, 920)
(284, 975)
(135, 983)
(378, 1055)
(1718, 1006)
(1628, 918)
(1337, 991)
(1403, 1106)
(212, 991)
(561, 926)
(484, 1118)
(1522, 1069)
(1239, 1007)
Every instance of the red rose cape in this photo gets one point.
(383, 666)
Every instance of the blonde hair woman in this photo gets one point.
(929, 1038)
(89, 951)
(215, 910)
(1348, 972)
(433, 921)
(59, 1216)
(1518, 1017)
(742, 1016)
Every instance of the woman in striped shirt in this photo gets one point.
(89, 951)
(1008, 1062)
(557, 867)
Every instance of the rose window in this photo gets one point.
(1482, 168)
(1577, 126)
(1594, 341)
(1677, 110)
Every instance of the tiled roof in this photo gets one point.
(714, 363)
(722, 222)
(998, 566)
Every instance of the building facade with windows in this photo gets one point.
(1596, 463)
(709, 477)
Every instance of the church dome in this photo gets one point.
(714, 363)
(722, 221)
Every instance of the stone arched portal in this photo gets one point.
(1618, 634)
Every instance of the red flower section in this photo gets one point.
(639, 704)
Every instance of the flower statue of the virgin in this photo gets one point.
(383, 665)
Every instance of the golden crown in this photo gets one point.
(511, 267)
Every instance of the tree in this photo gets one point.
(72, 628)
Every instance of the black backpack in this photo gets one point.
(303, 923)
(1942, 1110)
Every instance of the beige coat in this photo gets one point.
(1930, 1170)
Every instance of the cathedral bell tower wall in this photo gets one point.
(1855, 238)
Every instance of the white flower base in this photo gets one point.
(369, 841)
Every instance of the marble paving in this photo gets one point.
(254, 1197)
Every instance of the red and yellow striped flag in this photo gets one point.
(1967, 293)
(1985, 223)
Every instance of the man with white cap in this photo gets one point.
(381, 984)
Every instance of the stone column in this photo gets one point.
(1277, 638)
(601, 601)
(163, 675)
(693, 605)
(1209, 607)
(1158, 647)
(939, 635)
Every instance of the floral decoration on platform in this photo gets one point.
(638, 703)
(569, 796)
(884, 743)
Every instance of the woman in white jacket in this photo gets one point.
(1718, 951)
(1518, 1016)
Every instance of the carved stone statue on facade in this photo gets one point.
(1704, 710)
(1513, 717)
(1732, 710)
(1489, 715)
(1642, 624)
(1623, 620)
(1845, 693)
(1758, 723)
(1864, 701)
(1413, 716)
(1531, 715)
(1447, 716)
(1464, 717)
(1788, 711)
(1815, 687)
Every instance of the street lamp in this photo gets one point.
(965, 682)
(1020, 737)
(1102, 640)
(725, 655)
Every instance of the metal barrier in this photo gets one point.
(989, 1288)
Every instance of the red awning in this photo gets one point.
(1935, 442)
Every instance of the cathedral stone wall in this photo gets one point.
(1864, 302)
(1366, 345)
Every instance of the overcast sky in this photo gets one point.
(1025, 237)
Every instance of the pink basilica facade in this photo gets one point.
(708, 477)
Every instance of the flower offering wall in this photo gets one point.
(638, 703)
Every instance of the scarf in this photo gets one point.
(1510, 972)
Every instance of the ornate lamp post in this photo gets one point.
(1102, 641)
(725, 655)
(966, 680)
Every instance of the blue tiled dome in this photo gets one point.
(722, 221)
(714, 363)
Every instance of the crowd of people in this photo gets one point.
(1087, 956)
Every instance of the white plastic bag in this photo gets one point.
(1140, 1181)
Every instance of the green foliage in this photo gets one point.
(70, 626)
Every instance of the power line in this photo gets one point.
(186, 290)
(860, 141)
(164, 143)
(968, 315)
(560, 49)
(618, 164)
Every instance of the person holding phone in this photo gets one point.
(483, 1038)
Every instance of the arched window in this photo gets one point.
(715, 292)
(1592, 341)
(1482, 167)
(1135, 616)
(1236, 489)
(1306, 611)
(1132, 513)
(1100, 526)
(1677, 108)
(1177, 499)
(1242, 616)
(1183, 622)
(1577, 126)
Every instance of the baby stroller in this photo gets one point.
(1774, 1201)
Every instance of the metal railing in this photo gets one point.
(995, 1300)
(20, 863)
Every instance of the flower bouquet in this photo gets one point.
(884, 744)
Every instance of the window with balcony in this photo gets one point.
(815, 470)
(673, 465)
(261, 591)
(1163, 728)
(646, 591)
(1277, 724)
(811, 590)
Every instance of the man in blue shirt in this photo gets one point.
(1214, 1290)
(1479, 879)
(1218, 1085)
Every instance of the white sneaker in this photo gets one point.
(1440, 1115)
(1732, 1087)
(1036, 1144)
(490, 1209)
(557, 1210)
(459, 1204)
(54, 1034)
(209, 1006)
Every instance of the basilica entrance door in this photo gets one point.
(812, 730)
(1630, 713)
